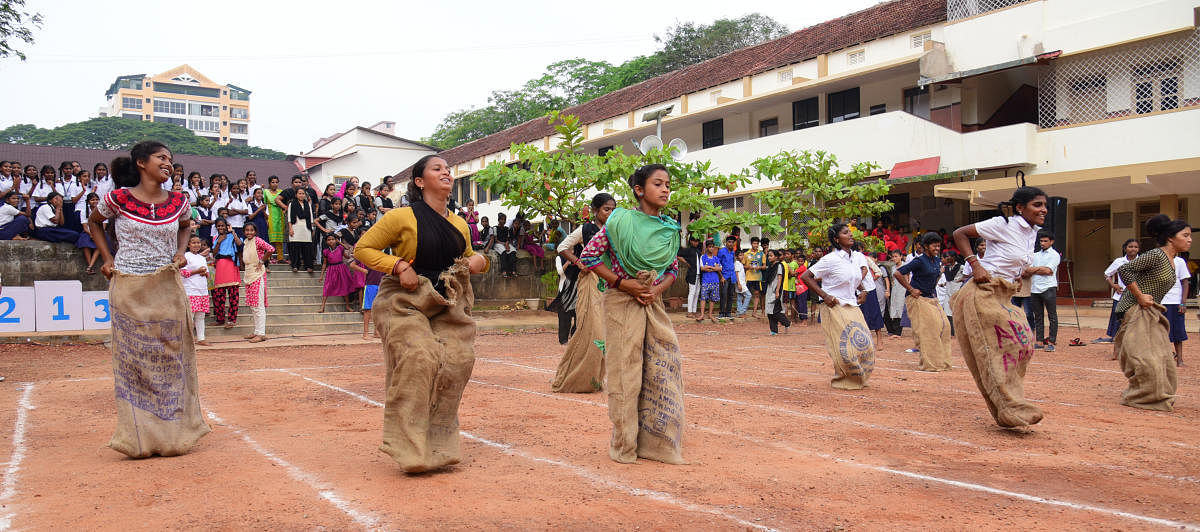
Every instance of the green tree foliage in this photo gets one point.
(16, 24)
(574, 81)
(814, 193)
(114, 133)
(560, 184)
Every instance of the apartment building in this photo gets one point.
(1095, 101)
(184, 97)
(368, 153)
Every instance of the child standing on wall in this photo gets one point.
(195, 285)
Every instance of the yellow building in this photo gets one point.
(184, 97)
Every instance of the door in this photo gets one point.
(1090, 250)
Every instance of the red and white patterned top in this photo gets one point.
(147, 233)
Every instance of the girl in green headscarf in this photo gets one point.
(643, 374)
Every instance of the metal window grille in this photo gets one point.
(785, 76)
(856, 58)
(959, 9)
(1156, 75)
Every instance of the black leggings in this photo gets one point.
(777, 316)
(566, 326)
(301, 255)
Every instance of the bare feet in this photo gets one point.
(248, 336)
(203, 343)
(366, 337)
(257, 339)
(230, 325)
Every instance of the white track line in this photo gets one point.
(228, 371)
(909, 474)
(13, 469)
(617, 485)
(363, 518)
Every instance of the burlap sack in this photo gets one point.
(932, 331)
(1147, 359)
(997, 345)
(644, 379)
(428, 345)
(849, 344)
(154, 365)
(581, 369)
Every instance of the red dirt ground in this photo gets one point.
(770, 445)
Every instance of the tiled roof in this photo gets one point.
(207, 165)
(882, 20)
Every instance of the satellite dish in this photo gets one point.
(677, 148)
(650, 142)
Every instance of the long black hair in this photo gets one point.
(418, 170)
(1161, 227)
(639, 177)
(124, 170)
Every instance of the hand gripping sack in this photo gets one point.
(1147, 359)
(428, 345)
(581, 369)
(997, 345)
(932, 331)
(849, 344)
(644, 379)
(154, 365)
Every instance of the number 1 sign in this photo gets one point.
(59, 305)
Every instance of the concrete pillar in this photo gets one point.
(1168, 204)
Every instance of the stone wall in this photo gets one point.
(24, 261)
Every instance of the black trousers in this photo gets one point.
(1044, 305)
(566, 326)
(777, 316)
(301, 255)
(893, 322)
(508, 262)
(728, 297)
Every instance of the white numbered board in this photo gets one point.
(96, 312)
(58, 305)
(16, 309)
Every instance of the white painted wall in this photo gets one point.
(1136, 140)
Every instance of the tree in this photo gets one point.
(17, 24)
(114, 133)
(559, 184)
(688, 43)
(814, 193)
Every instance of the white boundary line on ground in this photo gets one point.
(959, 484)
(13, 468)
(659, 496)
(363, 518)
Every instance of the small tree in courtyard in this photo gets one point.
(814, 193)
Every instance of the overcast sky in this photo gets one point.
(316, 68)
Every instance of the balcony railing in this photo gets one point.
(960, 9)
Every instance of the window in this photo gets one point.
(239, 142)
(462, 190)
(237, 94)
(170, 120)
(135, 84)
(714, 96)
(768, 127)
(785, 76)
(1088, 98)
(206, 126)
(167, 106)
(131, 116)
(856, 58)
(200, 109)
(843, 105)
(878, 109)
(805, 114)
(713, 133)
(1156, 86)
(481, 193)
(239, 113)
(918, 40)
(186, 89)
(603, 150)
(131, 103)
(916, 102)
(239, 129)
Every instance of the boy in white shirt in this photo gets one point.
(743, 291)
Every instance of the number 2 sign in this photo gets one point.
(16, 309)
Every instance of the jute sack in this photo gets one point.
(997, 345)
(1147, 359)
(428, 345)
(581, 369)
(932, 331)
(849, 344)
(154, 365)
(644, 379)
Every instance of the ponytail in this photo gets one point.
(418, 170)
(1021, 196)
(124, 170)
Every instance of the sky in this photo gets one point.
(318, 68)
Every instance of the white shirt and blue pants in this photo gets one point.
(1043, 293)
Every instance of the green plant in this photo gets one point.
(550, 284)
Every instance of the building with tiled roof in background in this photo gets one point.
(184, 97)
(1096, 101)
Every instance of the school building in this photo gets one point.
(1096, 101)
(184, 97)
(368, 153)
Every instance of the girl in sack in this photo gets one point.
(1142, 343)
(422, 312)
(154, 358)
(635, 253)
(846, 335)
(994, 335)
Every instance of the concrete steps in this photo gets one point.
(293, 301)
